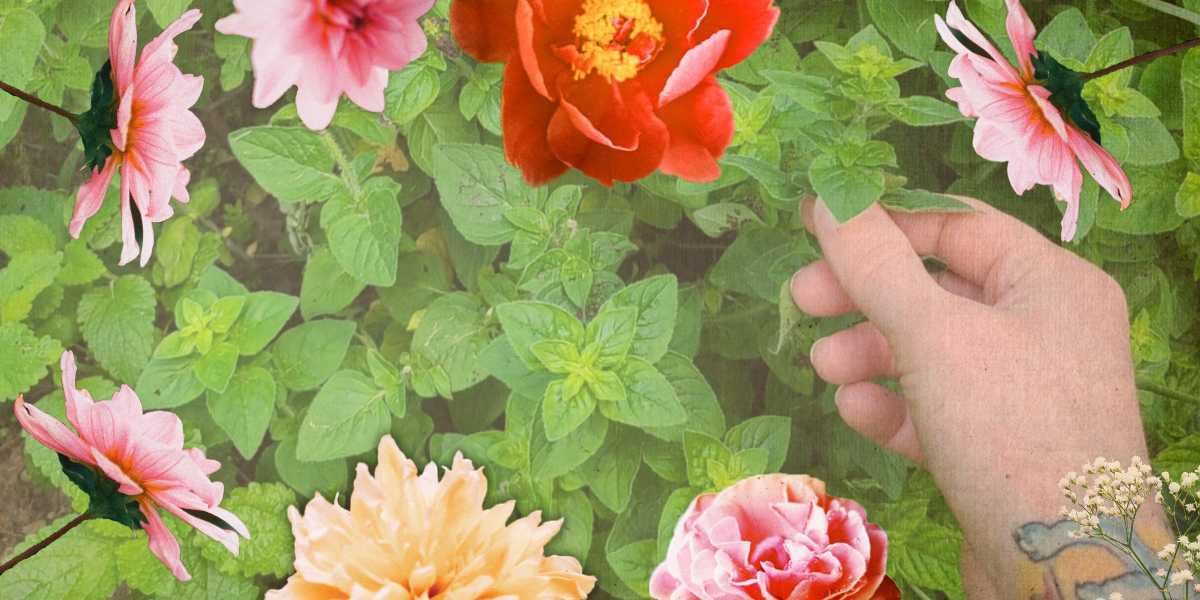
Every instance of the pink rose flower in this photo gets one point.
(1018, 124)
(142, 452)
(774, 537)
(326, 48)
(155, 132)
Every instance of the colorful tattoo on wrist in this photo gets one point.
(1080, 568)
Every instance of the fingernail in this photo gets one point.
(812, 351)
(822, 218)
(837, 397)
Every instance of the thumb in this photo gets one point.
(876, 265)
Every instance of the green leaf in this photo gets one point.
(613, 330)
(263, 315)
(528, 323)
(562, 414)
(1189, 75)
(548, 460)
(327, 477)
(575, 536)
(700, 403)
(501, 360)
(420, 278)
(717, 219)
(210, 583)
(699, 448)
(606, 385)
(80, 265)
(769, 432)
(245, 408)
(1145, 217)
(656, 300)
(24, 357)
(291, 163)
(364, 232)
(166, 11)
(216, 366)
(118, 324)
(611, 470)
(452, 333)
(169, 382)
(745, 265)
(21, 36)
(922, 110)
(269, 551)
(25, 277)
(409, 92)
(1179, 457)
(634, 563)
(224, 312)
(20, 234)
(1068, 35)
(650, 399)
(1187, 199)
(307, 355)
(477, 186)
(80, 566)
(847, 191)
(347, 417)
(911, 201)
(557, 356)
(143, 571)
(177, 250)
(908, 23)
(326, 288)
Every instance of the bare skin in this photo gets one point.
(1015, 365)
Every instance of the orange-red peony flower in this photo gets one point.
(408, 536)
(614, 88)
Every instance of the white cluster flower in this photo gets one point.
(1103, 491)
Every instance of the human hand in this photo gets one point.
(1015, 363)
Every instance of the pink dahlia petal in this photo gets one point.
(163, 47)
(122, 44)
(162, 542)
(1101, 165)
(129, 487)
(1021, 33)
(91, 196)
(51, 432)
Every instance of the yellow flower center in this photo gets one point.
(615, 38)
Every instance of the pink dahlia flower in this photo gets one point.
(144, 454)
(326, 48)
(1018, 124)
(155, 131)
(774, 537)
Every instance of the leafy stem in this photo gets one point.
(343, 163)
(34, 549)
(70, 116)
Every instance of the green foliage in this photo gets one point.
(606, 354)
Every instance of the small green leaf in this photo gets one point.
(478, 186)
(717, 219)
(650, 400)
(118, 323)
(556, 355)
(262, 316)
(307, 355)
(245, 408)
(326, 287)
(548, 460)
(1187, 199)
(347, 417)
(656, 300)
(307, 478)
(291, 163)
(364, 232)
(563, 414)
(769, 432)
(613, 329)
(224, 312)
(847, 191)
(169, 382)
(910, 201)
(611, 470)
(605, 385)
(24, 357)
(528, 323)
(699, 448)
(216, 366)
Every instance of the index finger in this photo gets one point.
(981, 247)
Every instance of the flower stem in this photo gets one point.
(342, 162)
(1165, 392)
(36, 102)
(1171, 9)
(1141, 59)
(46, 542)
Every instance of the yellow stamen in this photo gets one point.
(615, 38)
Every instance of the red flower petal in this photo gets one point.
(525, 116)
(607, 164)
(751, 22)
(597, 109)
(542, 66)
(887, 590)
(485, 29)
(701, 126)
(679, 19)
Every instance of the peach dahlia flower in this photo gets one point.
(411, 537)
(155, 132)
(326, 48)
(144, 454)
(1017, 122)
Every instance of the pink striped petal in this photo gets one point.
(699, 62)
(1101, 165)
(162, 542)
(91, 195)
(122, 44)
(1021, 33)
(52, 433)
